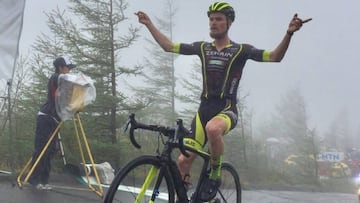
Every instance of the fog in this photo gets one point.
(321, 59)
(320, 62)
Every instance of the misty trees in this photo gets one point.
(91, 34)
(244, 127)
(338, 135)
(159, 74)
(291, 117)
(191, 96)
(95, 43)
(22, 119)
(292, 137)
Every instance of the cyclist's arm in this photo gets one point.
(187, 49)
(255, 54)
(160, 38)
(279, 52)
(266, 55)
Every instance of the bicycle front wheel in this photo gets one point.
(230, 188)
(142, 180)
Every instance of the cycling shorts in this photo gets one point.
(210, 108)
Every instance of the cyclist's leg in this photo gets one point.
(184, 165)
(198, 135)
(216, 128)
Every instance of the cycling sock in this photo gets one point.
(216, 168)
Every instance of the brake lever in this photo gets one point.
(127, 126)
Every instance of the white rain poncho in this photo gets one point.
(74, 92)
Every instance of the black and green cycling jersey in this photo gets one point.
(221, 72)
(222, 69)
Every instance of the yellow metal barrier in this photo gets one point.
(84, 149)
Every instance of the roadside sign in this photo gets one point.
(331, 156)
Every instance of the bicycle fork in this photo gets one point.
(159, 173)
(155, 172)
(149, 178)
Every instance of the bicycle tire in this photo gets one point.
(230, 188)
(127, 182)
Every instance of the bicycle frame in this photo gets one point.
(166, 168)
(194, 147)
(170, 165)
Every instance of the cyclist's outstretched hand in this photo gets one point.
(296, 23)
(143, 18)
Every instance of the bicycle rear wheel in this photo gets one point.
(230, 188)
(136, 183)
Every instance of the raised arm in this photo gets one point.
(295, 24)
(160, 38)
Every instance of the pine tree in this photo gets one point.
(91, 34)
(159, 76)
(290, 126)
(191, 96)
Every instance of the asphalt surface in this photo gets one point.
(68, 190)
(65, 190)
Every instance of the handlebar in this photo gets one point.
(176, 133)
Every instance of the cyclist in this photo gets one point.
(222, 63)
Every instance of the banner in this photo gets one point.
(11, 15)
(331, 156)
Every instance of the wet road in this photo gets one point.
(11, 193)
(61, 193)
(266, 196)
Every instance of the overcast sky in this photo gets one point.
(321, 60)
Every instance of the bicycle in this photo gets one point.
(163, 182)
